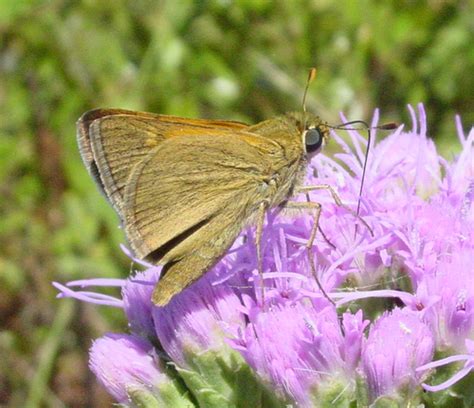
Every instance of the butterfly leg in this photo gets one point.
(262, 209)
(320, 229)
(326, 238)
(316, 208)
(337, 200)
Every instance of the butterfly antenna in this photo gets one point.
(311, 77)
(386, 126)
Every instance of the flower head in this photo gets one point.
(302, 351)
(397, 344)
(198, 321)
(129, 369)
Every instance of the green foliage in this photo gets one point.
(222, 378)
(242, 59)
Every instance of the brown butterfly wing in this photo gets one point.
(189, 199)
(113, 141)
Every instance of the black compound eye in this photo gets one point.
(313, 140)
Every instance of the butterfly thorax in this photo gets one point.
(288, 133)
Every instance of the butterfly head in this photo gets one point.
(314, 132)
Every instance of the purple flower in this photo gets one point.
(397, 344)
(198, 321)
(451, 287)
(130, 371)
(413, 245)
(301, 352)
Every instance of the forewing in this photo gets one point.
(186, 182)
(187, 202)
(113, 141)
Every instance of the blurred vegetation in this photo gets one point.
(244, 60)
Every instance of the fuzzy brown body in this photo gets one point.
(185, 188)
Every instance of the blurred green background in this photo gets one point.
(245, 60)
